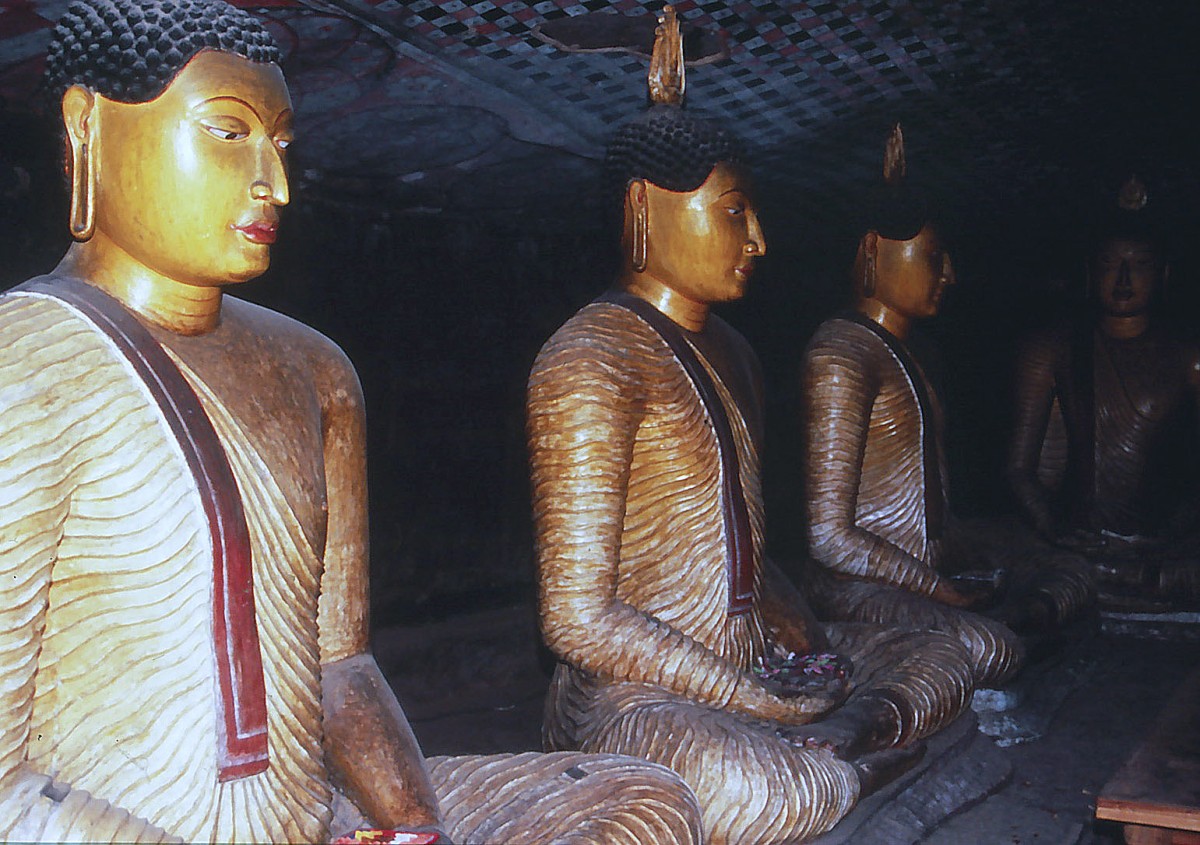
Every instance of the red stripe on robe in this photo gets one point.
(242, 697)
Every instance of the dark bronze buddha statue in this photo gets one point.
(1102, 455)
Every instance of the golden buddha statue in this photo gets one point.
(183, 542)
(676, 638)
(880, 532)
(1102, 455)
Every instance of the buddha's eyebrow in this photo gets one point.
(234, 99)
(733, 191)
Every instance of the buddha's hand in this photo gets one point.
(1081, 541)
(945, 593)
(768, 699)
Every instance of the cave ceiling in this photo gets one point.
(455, 107)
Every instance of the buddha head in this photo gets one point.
(176, 119)
(689, 222)
(902, 268)
(1128, 269)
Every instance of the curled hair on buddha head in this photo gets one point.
(665, 145)
(131, 51)
(896, 208)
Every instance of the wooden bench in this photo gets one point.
(1156, 794)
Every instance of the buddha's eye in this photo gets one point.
(735, 209)
(226, 128)
(283, 143)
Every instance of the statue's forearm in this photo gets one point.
(1034, 400)
(370, 747)
(847, 549)
(614, 641)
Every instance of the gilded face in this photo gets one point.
(1126, 273)
(189, 184)
(703, 244)
(911, 276)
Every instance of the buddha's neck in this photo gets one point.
(889, 318)
(685, 312)
(181, 308)
(1124, 328)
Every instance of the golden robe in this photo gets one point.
(635, 593)
(107, 679)
(875, 472)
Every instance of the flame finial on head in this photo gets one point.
(1132, 196)
(667, 76)
(894, 165)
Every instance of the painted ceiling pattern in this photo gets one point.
(442, 104)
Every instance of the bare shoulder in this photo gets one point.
(733, 339)
(289, 339)
(1191, 361)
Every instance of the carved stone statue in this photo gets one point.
(1103, 453)
(183, 538)
(677, 641)
(880, 531)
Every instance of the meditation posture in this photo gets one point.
(676, 640)
(1103, 452)
(183, 560)
(873, 425)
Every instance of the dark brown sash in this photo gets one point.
(739, 547)
(935, 499)
(242, 722)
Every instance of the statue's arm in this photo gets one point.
(839, 390)
(369, 745)
(1034, 399)
(34, 502)
(584, 408)
(1186, 518)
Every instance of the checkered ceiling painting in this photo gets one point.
(450, 104)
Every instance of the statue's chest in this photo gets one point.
(897, 412)
(1139, 384)
(275, 412)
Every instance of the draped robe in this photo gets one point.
(107, 665)
(1104, 440)
(874, 454)
(634, 586)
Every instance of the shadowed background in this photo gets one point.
(445, 220)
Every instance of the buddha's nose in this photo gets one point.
(1124, 280)
(948, 275)
(756, 244)
(271, 184)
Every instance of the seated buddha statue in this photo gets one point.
(1102, 458)
(879, 529)
(183, 538)
(674, 635)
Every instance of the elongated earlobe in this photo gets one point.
(641, 225)
(83, 193)
(78, 110)
(870, 247)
